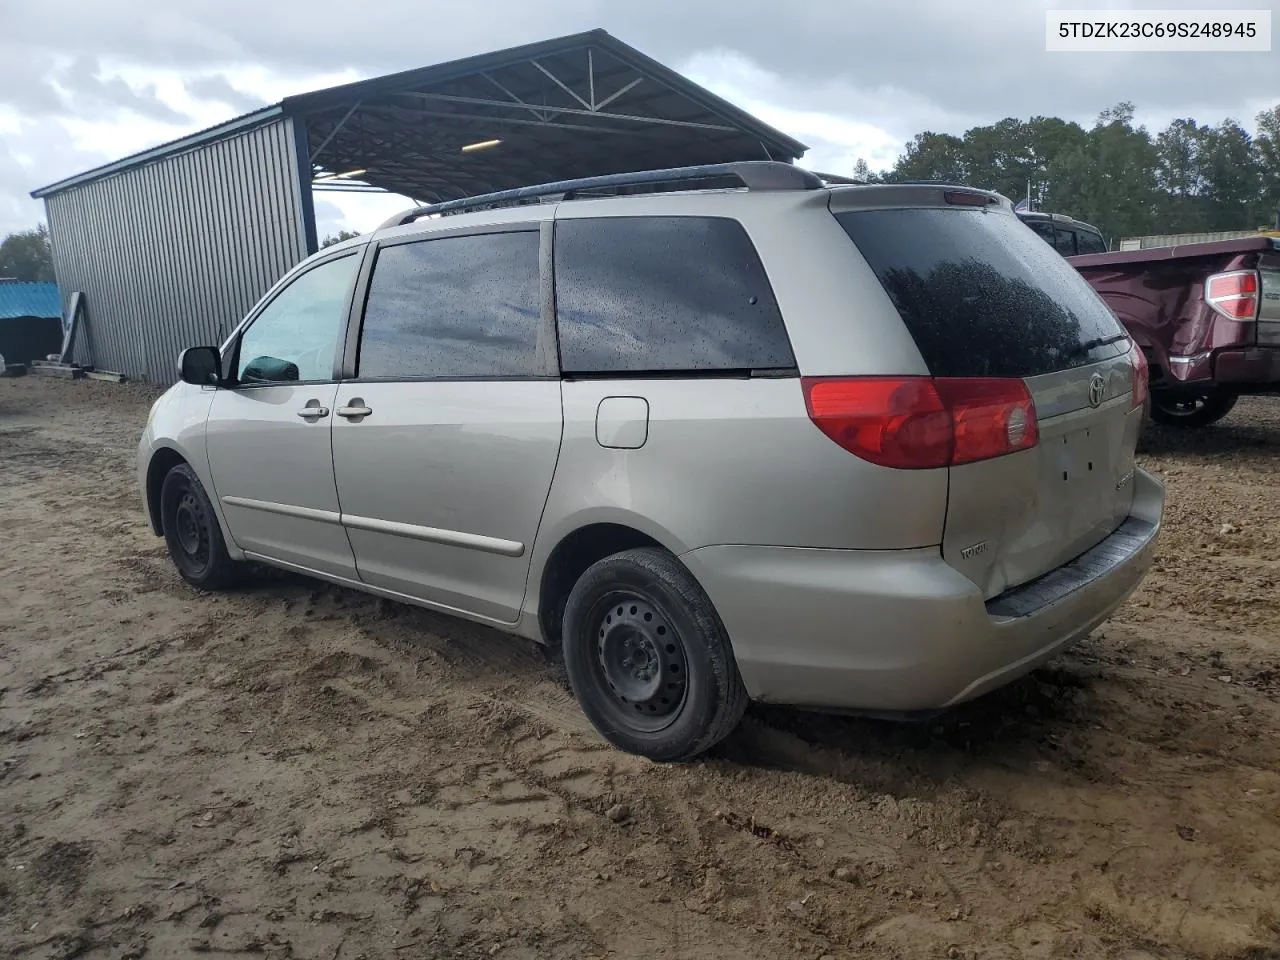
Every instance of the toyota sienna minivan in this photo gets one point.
(718, 434)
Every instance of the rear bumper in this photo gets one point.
(901, 630)
(1257, 367)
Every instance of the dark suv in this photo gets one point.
(1069, 237)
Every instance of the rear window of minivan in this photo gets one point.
(981, 294)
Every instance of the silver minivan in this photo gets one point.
(718, 434)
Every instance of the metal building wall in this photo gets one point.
(172, 254)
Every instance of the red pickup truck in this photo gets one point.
(1207, 315)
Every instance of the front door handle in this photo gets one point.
(355, 411)
(313, 411)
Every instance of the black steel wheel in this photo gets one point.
(641, 659)
(1191, 409)
(191, 532)
(648, 658)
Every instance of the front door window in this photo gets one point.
(295, 338)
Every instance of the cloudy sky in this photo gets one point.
(83, 82)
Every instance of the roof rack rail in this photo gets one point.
(752, 174)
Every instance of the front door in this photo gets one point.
(446, 439)
(268, 435)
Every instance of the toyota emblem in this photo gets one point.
(1096, 389)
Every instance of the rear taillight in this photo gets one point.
(914, 423)
(1234, 294)
(1141, 375)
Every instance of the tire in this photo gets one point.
(192, 533)
(1188, 410)
(648, 658)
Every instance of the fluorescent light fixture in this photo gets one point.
(482, 145)
(340, 176)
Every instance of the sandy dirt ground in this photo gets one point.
(298, 771)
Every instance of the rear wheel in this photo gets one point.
(1191, 409)
(192, 533)
(648, 658)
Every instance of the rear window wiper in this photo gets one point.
(1096, 342)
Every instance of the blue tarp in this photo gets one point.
(29, 300)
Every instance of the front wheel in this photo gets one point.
(1191, 410)
(192, 534)
(648, 658)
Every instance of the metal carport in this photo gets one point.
(173, 245)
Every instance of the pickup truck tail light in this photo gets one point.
(1141, 375)
(915, 423)
(1235, 294)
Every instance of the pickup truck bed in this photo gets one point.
(1207, 315)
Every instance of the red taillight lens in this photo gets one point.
(1234, 294)
(991, 417)
(1141, 376)
(915, 423)
(895, 422)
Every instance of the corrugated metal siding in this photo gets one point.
(173, 254)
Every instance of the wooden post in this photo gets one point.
(76, 308)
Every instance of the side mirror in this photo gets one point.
(269, 370)
(201, 366)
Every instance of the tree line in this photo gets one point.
(26, 255)
(1188, 177)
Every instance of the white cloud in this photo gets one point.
(361, 212)
(37, 151)
(83, 82)
(836, 140)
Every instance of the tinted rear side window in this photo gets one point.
(453, 307)
(1043, 229)
(1089, 242)
(982, 295)
(1065, 241)
(664, 294)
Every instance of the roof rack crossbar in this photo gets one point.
(752, 174)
